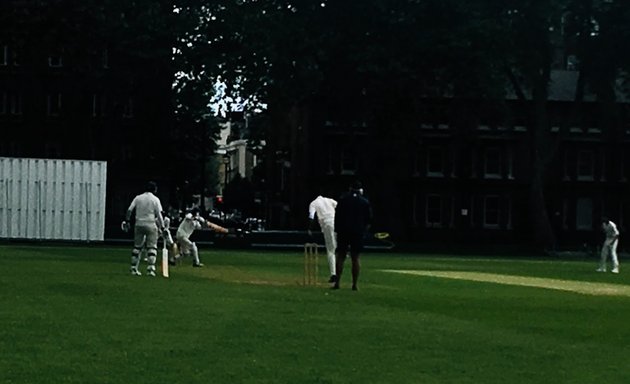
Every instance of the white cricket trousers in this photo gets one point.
(330, 240)
(609, 247)
(188, 247)
(145, 236)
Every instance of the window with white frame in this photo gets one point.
(492, 163)
(585, 165)
(433, 211)
(491, 210)
(53, 104)
(435, 161)
(584, 214)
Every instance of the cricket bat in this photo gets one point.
(216, 227)
(164, 261)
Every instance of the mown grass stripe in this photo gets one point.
(582, 287)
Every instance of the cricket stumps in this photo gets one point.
(310, 264)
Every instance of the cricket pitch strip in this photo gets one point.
(582, 287)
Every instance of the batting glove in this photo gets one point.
(124, 226)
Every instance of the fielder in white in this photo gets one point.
(324, 208)
(148, 223)
(191, 222)
(609, 246)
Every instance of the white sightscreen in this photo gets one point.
(52, 199)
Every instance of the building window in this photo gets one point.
(565, 214)
(566, 166)
(510, 164)
(348, 162)
(433, 211)
(105, 58)
(128, 109)
(4, 55)
(435, 162)
(330, 161)
(55, 60)
(99, 104)
(584, 214)
(54, 104)
(492, 164)
(15, 104)
(509, 213)
(491, 212)
(53, 150)
(585, 166)
(14, 57)
(3, 102)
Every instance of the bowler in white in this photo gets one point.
(324, 209)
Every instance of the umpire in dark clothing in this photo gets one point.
(352, 221)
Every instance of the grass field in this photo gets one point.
(74, 315)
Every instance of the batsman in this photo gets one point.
(191, 222)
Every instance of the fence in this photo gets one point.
(52, 199)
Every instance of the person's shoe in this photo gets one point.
(333, 279)
(172, 262)
(354, 288)
(615, 270)
(600, 269)
(336, 286)
(134, 271)
(151, 273)
(198, 265)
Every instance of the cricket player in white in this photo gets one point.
(149, 222)
(191, 222)
(324, 208)
(168, 241)
(610, 246)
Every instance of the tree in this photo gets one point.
(393, 55)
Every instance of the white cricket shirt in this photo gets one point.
(324, 207)
(610, 229)
(148, 209)
(188, 226)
